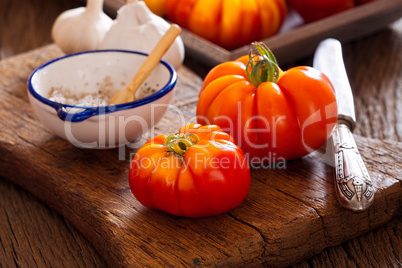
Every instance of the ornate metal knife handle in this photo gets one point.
(353, 185)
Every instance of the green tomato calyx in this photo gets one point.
(263, 67)
(179, 143)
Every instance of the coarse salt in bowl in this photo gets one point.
(69, 95)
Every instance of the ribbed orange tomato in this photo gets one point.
(273, 115)
(229, 23)
(196, 172)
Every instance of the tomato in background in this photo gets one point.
(157, 7)
(312, 10)
(229, 23)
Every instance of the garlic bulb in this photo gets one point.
(81, 28)
(137, 28)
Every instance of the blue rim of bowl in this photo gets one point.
(99, 110)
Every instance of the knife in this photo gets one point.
(353, 185)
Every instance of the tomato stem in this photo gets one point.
(179, 143)
(263, 67)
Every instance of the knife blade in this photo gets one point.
(353, 185)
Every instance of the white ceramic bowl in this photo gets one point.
(85, 72)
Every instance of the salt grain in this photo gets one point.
(101, 98)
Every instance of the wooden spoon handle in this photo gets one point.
(154, 57)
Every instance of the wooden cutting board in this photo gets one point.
(290, 214)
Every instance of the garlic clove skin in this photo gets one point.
(82, 28)
(137, 28)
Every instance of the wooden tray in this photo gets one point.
(297, 40)
(289, 215)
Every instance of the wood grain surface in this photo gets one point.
(31, 234)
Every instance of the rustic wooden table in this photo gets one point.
(31, 234)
